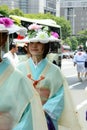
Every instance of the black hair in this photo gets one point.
(86, 50)
(46, 49)
(12, 45)
(80, 48)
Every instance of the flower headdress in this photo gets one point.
(9, 25)
(38, 33)
(7, 22)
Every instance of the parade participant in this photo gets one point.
(85, 64)
(46, 77)
(11, 54)
(20, 105)
(79, 60)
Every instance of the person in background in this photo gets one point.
(46, 77)
(11, 55)
(20, 105)
(85, 63)
(79, 59)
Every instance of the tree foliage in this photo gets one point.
(82, 38)
(17, 12)
(74, 43)
(65, 26)
(4, 10)
(67, 41)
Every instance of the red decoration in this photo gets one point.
(35, 82)
(20, 37)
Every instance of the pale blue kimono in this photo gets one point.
(53, 81)
(19, 100)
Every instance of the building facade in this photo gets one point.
(76, 12)
(52, 6)
(10, 3)
(34, 6)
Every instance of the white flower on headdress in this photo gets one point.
(42, 35)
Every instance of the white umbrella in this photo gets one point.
(15, 28)
(25, 40)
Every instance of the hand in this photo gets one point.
(5, 121)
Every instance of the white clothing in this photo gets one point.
(85, 60)
(80, 67)
(13, 58)
(79, 59)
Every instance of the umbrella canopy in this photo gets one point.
(9, 25)
(15, 28)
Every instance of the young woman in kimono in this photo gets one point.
(45, 76)
(20, 105)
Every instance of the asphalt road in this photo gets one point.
(70, 73)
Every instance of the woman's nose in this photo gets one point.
(34, 44)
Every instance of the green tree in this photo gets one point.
(4, 10)
(82, 38)
(65, 26)
(17, 12)
(67, 41)
(74, 43)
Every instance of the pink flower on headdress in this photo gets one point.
(55, 34)
(6, 21)
(34, 27)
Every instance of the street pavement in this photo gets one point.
(78, 93)
(70, 73)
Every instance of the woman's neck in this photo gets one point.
(12, 52)
(36, 59)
